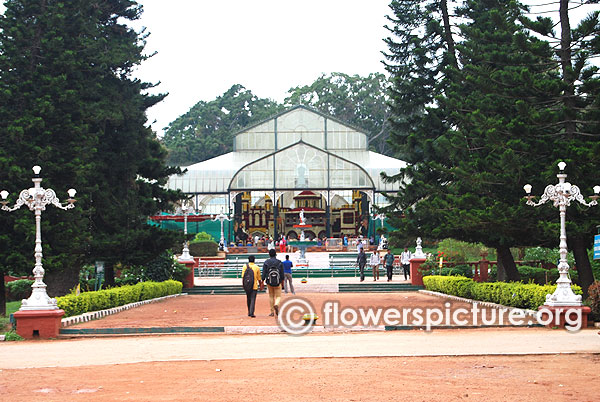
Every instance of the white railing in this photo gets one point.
(219, 268)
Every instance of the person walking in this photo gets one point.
(361, 260)
(374, 262)
(405, 261)
(282, 244)
(287, 275)
(250, 283)
(389, 264)
(272, 274)
(359, 244)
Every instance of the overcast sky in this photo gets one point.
(206, 46)
(269, 46)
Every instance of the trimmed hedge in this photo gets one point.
(514, 294)
(114, 297)
(207, 248)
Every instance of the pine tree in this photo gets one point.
(68, 102)
(467, 179)
(576, 128)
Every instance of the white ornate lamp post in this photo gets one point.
(381, 218)
(185, 256)
(561, 195)
(36, 199)
(382, 239)
(221, 217)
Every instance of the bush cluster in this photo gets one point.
(160, 269)
(202, 236)
(458, 270)
(204, 248)
(18, 290)
(114, 297)
(514, 294)
(536, 274)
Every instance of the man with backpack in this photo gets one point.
(273, 275)
(250, 279)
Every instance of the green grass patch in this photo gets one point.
(11, 307)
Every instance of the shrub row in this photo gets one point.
(514, 294)
(114, 297)
(206, 248)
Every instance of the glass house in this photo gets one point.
(300, 159)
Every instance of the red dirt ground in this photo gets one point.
(472, 378)
(225, 310)
(447, 378)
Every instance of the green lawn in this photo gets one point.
(11, 307)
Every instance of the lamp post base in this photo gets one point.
(561, 316)
(38, 323)
(416, 277)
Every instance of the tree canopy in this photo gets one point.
(207, 129)
(485, 119)
(68, 103)
(360, 101)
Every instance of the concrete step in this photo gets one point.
(357, 287)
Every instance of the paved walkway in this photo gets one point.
(100, 351)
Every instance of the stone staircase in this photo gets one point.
(371, 287)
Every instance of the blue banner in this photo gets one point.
(597, 247)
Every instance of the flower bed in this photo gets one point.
(514, 294)
(114, 297)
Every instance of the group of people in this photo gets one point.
(265, 241)
(387, 261)
(275, 273)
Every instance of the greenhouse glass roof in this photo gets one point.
(299, 149)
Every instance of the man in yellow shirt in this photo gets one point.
(251, 293)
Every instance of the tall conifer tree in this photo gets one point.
(576, 126)
(68, 102)
(468, 183)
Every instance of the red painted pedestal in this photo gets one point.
(38, 323)
(559, 315)
(416, 278)
(188, 282)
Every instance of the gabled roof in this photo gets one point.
(308, 108)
